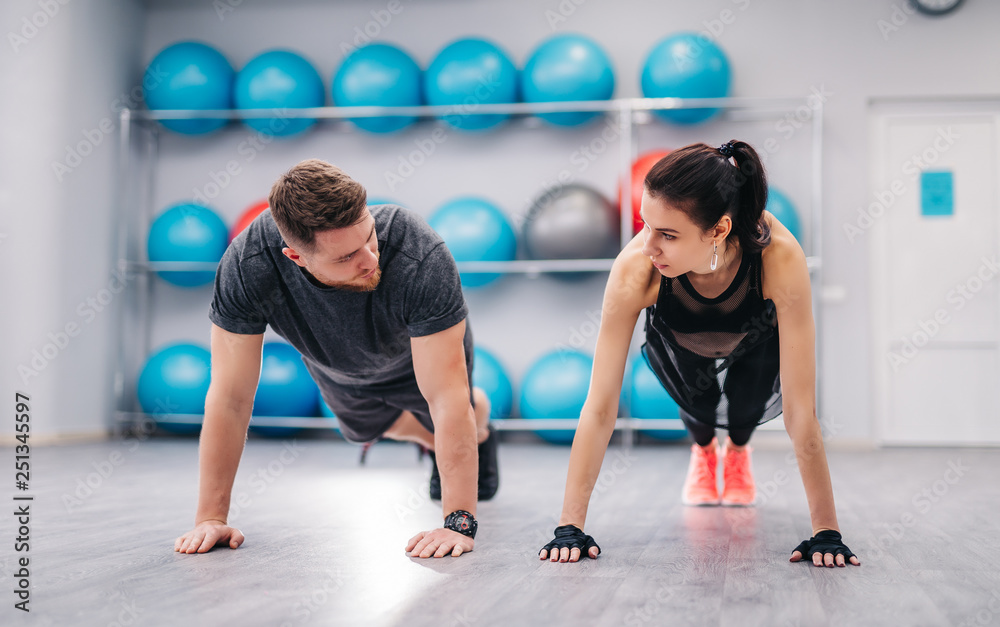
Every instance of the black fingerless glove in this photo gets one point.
(570, 537)
(827, 541)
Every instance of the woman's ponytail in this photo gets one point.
(751, 184)
(702, 181)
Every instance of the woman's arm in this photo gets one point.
(787, 284)
(627, 293)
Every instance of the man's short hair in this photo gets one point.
(315, 196)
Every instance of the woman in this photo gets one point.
(717, 276)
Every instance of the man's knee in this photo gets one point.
(401, 425)
(482, 402)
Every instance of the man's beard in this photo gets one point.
(365, 285)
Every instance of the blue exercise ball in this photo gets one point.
(475, 229)
(285, 388)
(378, 75)
(650, 400)
(686, 65)
(781, 207)
(468, 73)
(174, 380)
(279, 79)
(187, 232)
(189, 75)
(488, 374)
(568, 68)
(556, 386)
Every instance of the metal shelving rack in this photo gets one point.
(631, 113)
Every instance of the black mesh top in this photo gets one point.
(694, 343)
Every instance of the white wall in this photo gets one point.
(60, 79)
(777, 48)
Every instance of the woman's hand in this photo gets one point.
(569, 544)
(826, 548)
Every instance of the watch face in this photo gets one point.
(462, 523)
(936, 7)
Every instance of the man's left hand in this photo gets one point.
(438, 543)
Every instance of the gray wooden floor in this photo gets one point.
(325, 542)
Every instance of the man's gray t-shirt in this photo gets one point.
(349, 339)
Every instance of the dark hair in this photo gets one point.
(704, 184)
(315, 196)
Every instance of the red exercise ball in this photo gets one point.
(245, 219)
(640, 168)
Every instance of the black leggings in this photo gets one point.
(696, 384)
(747, 385)
(703, 433)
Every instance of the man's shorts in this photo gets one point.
(365, 413)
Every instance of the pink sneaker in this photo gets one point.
(700, 485)
(737, 476)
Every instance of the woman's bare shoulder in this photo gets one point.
(633, 278)
(783, 260)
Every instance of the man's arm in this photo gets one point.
(228, 405)
(439, 365)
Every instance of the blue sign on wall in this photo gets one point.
(937, 193)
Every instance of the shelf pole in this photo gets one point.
(147, 285)
(626, 128)
(626, 156)
(816, 244)
(121, 264)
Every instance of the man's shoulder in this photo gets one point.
(406, 231)
(249, 249)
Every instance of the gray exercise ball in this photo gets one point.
(571, 222)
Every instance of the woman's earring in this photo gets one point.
(715, 256)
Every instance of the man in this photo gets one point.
(371, 298)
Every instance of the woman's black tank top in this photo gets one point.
(701, 347)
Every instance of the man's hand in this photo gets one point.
(207, 534)
(438, 543)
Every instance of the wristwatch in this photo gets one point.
(463, 522)
(935, 7)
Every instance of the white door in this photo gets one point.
(935, 251)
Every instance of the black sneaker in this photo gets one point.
(489, 472)
(435, 485)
